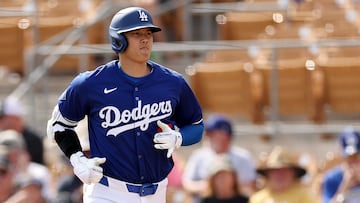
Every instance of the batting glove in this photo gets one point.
(167, 139)
(87, 170)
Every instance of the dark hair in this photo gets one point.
(236, 185)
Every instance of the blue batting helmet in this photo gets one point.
(126, 20)
(350, 141)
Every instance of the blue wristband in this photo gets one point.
(191, 134)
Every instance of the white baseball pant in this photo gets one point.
(111, 190)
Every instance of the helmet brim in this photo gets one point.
(152, 28)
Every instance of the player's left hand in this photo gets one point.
(87, 170)
(167, 139)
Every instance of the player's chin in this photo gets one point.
(145, 53)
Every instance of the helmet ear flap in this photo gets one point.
(122, 41)
(119, 43)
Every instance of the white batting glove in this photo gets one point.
(167, 139)
(87, 170)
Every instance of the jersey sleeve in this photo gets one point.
(72, 103)
(188, 110)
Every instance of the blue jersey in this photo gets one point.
(122, 114)
(331, 183)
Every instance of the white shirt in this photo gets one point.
(199, 164)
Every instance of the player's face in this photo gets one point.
(280, 179)
(139, 44)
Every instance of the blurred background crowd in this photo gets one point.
(277, 81)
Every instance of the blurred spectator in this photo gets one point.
(175, 190)
(282, 174)
(219, 132)
(27, 190)
(69, 189)
(11, 118)
(342, 183)
(6, 177)
(223, 187)
(28, 176)
(19, 190)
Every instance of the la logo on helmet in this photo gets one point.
(142, 15)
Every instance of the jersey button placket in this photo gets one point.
(136, 94)
(138, 136)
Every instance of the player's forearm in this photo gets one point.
(192, 134)
(62, 131)
(68, 142)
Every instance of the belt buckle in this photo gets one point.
(148, 189)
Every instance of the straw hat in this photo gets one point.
(281, 158)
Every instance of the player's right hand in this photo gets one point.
(167, 139)
(87, 170)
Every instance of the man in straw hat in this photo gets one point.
(282, 174)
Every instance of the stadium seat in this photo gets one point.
(291, 30)
(244, 25)
(342, 83)
(12, 46)
(300, 90)
(49, 27)
(225, 87)
(12, 3)
(53, 18)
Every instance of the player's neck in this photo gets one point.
(135, 69)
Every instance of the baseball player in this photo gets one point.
(138, 112)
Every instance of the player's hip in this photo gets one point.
(110, 190)
(140, 189)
